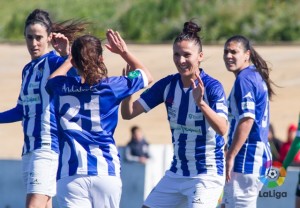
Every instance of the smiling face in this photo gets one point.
(187, 58)
(37, 40)
(236, 58)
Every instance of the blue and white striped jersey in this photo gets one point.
(38, 118)
(249, 98)
(198, 149)
(87, 117)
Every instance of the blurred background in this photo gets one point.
(157, 21)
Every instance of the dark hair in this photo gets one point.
(190, 32)
(260, 64)
(133, 129)
(70, 28)
(86, 51)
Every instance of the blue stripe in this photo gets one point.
(250, 155)
(181, 154)
(92, 164)
(200, 155)
(109, 159)
(73, 161)
(219, 154)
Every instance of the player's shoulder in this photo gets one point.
(53, 57)
(210, 82)
(168, 79)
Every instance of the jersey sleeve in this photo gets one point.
(56, 61)
(54, 83)
(217, 99)
(245, 97)
(154, 95)
(125, 86)
(12, 115)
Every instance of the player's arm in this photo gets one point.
(63, 69)
(130, 108)
(117, 45)
(13, 115)
(217, 122)
(61, 44)
(240, 136)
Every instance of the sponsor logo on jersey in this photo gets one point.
(31, 99)
(134, 74)
(222, 107)
(74, 89)
(195, 116)
(34, 85)
(186, 129)
(248, 95)
(248, 105)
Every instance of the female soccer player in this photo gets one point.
(249, 154)
(197, 113)
(87, 114)
(40, 150)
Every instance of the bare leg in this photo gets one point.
(38, 201)
(49, 203)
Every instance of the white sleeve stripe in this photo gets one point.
(250, 115)
(223, 115)
(143, 103)
(145, 78)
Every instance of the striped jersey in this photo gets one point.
(87, 117)
(198, 149)
(249, 98)
(33, 107)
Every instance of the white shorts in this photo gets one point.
(39, 172)
(80, 191)
(242, 191)
(201, 192)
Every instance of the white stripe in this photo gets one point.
(145, 78)
(45, 117)
(101, 162)
(258, 158)
(191, 137)
(176, 103)
(116, 160)
(144, 105)
(82, 158)
(247, 115)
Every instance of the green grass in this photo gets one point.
(156, 21)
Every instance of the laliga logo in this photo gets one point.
(275, 176)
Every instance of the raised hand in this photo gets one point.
(116, 44)
(198, 90)
(60, 43)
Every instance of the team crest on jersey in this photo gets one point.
(133, 74)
